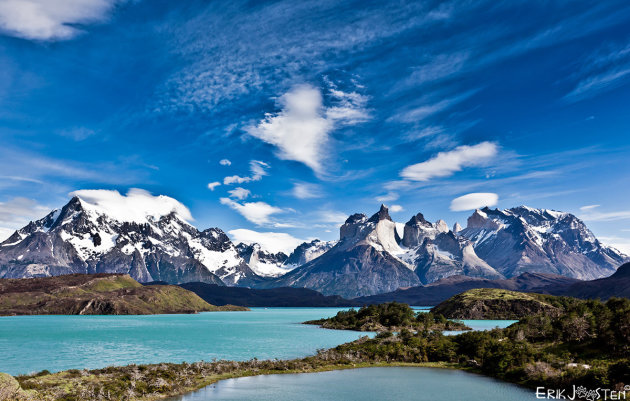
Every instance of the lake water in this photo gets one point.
(33, 343)
(378, 384)
(473, 324)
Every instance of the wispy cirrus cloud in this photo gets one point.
(430, 106)
(17, 212)
(601, 72)
(23, 166)
(594, 215)
(305, 190)
(290, 38)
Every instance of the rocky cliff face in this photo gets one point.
(84, 238)
(435, 252)
(308, 251)
(373, 254)
(363, 262)
(263, 263)
(522, 239)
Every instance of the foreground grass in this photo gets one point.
(159, 381)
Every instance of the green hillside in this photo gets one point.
(98, 294)
(492, 303)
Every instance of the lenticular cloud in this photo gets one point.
(137, 206)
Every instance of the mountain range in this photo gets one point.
(373, 255)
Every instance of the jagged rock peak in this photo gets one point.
(479, 218)
(382, 214)
(441, 226)
(356, 218)
(418, 219)
(457, 228)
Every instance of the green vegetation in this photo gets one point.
(100, 294)
(587, 344)
(392, 316)
(493, 303)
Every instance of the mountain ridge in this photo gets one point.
(373, 254)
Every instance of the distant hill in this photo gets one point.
(96, 294)
(494, 303)
(274, 297)
(441, 290)
(617, 285)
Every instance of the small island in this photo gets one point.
(392, 316)
(97, 294)
(499, 304)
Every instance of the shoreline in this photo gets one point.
(74, 382)
(328, 368)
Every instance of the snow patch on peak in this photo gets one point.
(137, 206)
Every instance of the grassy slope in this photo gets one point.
(110, 294)
(493, 303)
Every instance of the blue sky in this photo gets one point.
(283, 117)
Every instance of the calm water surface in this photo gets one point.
(378, 384)
(33, 343)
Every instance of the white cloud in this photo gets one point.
(269, 241)
(588, 207)
(239, 193)
(396, 208)
(605, 216)
(303, 190)
(388, 197)
(256, 167)
(622, 244)
(17, 212)
(136, 206)
(430, 107)
(225, 162)
(332, 216)
(235, 179)
(213, 185)
(445, 164)
(50, 20)
(474, 201)
(258, 213)
(301, 130)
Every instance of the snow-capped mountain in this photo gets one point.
(151, 239)
(363, 262)
(307, 251)
(523, 239)
(435, 252)
(268, 264)
(147, 237)
(263, 263)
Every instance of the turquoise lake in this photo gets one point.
(367, 384)
(33, 343)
